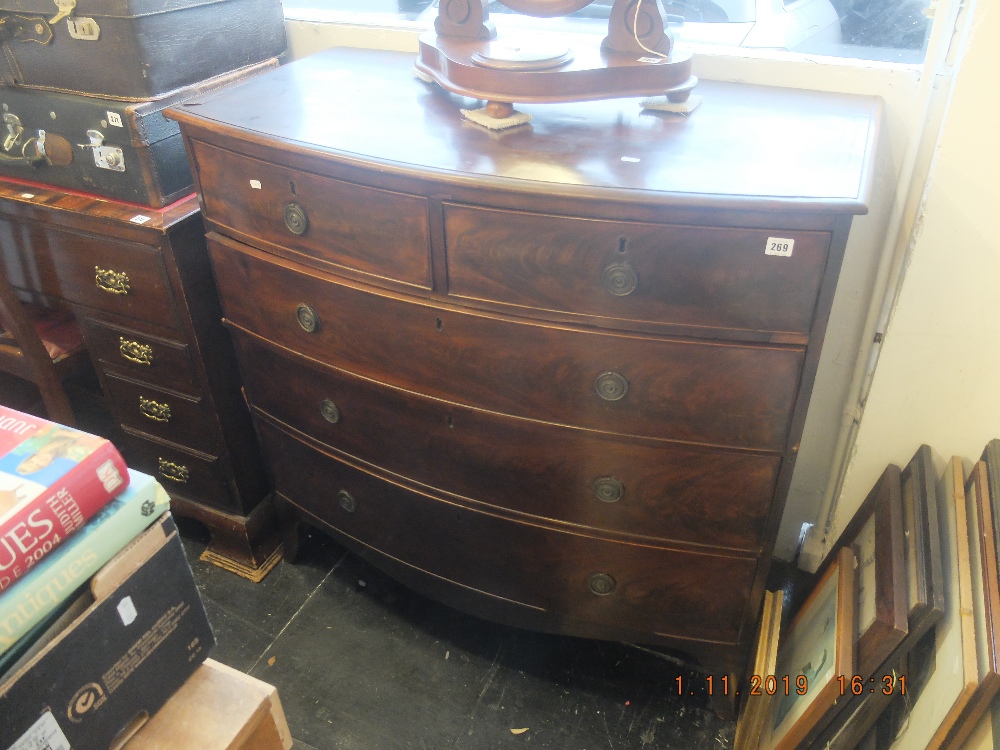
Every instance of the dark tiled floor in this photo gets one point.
(362, 663)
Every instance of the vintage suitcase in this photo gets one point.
(123, 150)
(134, 49)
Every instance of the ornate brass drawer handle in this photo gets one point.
(154, 410)
(620, 279)
(601, 584)
(329, 411)
(347, 501)
(308, 318)
(608, 489)
(133, 351)
(611, 386)
(174, 472)
(296, 219)
(113, 282)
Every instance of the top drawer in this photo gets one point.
(123, 278)
(376, 232)
(699, 276)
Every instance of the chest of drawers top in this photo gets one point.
(744, 147)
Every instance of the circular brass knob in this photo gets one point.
(611, 386)
(620, 279)
(347, 501)
(601, 583)
(329, 411)
(608, 489)
(296, 219)
(308, 318)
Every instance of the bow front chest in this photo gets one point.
(555, 375)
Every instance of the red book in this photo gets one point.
(52, 480)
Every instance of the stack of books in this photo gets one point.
(96, 595)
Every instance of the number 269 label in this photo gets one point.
(780, 246)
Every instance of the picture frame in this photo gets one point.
(985, 607)
(925, 598)
(756, 707)
(954, 678)
(991, 456)
(876, 535)
(819, 646)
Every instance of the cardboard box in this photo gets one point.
(117, 663)
(218, 708)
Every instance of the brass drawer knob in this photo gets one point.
(173, 472)
(296, 219)
(611, 386)
(608, 489)
(154, 410)
(601, 584)
(329, 411)
(620, 279)
(133, 351)
(308, 318)
(112, 282)
(347, 501)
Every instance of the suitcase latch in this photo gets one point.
(14, 130)
(105, 157)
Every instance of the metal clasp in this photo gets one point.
(14, 130)
(105, 157)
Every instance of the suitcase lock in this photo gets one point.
(105, 157)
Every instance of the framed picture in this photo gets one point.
(925, 603)
(991, 455)
(760, 692)
(876, 535)
(955, 675)
(985, 607)
(817, 655)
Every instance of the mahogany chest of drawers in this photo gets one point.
(140, 283)
(555, 376)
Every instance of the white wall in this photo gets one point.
(938, 376)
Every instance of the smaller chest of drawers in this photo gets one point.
(140, 283)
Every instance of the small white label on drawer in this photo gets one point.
(139, 219)
(780, 246)
(27, 195)
(115, 119)
(43, 733)
(255, 184)
(126, 610)
(632, 159)
(650, 59)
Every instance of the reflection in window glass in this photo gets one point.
(889, 30)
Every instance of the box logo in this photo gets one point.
(88, 698)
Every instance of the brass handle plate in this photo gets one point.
(112, 282)
(601, 584)
(608, 489)
(329, 411)
(611, 386)
(133, 351)
(347, 501)
(174, 472)
(619, 279)
(296, 219)
(154, 410)
(308, 318)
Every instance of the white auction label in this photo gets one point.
(43, 733)
(255, 184)
(780, 246)
(126, 610)
(115, 119)
(139, 219)
(27, 195)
